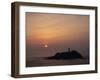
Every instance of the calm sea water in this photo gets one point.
(40, 61)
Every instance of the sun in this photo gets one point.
(46, 46)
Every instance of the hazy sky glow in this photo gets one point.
(48, 33)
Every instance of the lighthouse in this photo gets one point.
(69, 50)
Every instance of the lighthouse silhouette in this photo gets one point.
(67, 55)
(68, 49)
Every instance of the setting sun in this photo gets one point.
(48, 33)
(45, 45)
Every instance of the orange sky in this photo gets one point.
(56, 29)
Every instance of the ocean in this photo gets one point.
(41, 61)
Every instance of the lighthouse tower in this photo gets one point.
(69, 50)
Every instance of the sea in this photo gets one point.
(42, 61)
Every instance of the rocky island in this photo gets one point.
(67, 55)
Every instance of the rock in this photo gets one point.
(67, 55)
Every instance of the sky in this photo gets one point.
(49, 33)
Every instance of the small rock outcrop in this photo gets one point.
(67, 55)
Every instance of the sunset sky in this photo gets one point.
(48, 33)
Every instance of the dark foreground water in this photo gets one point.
(38, 61)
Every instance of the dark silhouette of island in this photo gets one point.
(67, 55)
